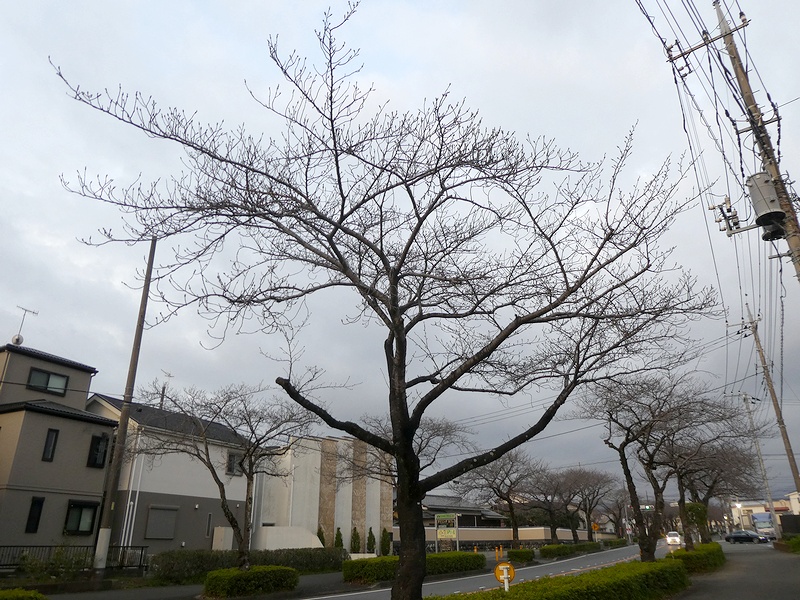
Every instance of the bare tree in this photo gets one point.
(615, 507)
(591, 488)
(646, 415)
(435, 439)
(728, 468)
(255, 434)
(503, 484)
(552, 492)
(491, 265)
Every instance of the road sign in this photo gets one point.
(446, 533)
(504, 572)
(595, 527)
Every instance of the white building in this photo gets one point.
(171, 501)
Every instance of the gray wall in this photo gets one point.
(156, 513)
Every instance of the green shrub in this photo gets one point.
(65, 563)
(588, 547)
(338, 542)
(556, 550)
(370, 541)
(703, 559)
(20, 594)
(617, 543)
(454, 562)
(383, 568)
(226, 583)
(521, 555)
(355, 542)
(386, 543)
(627, 581)
(191, 566)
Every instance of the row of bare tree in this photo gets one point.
(531, 493)
(667, 430)
(671, 429)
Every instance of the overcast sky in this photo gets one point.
(581, 72)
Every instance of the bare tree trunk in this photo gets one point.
(411, 567)
(687, 526)
(512, 516)
(647, 550)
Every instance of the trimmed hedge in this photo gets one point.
(627, 581)
(588, 547)
(793, 543)
(370, 570)
(226, 583)
(522, 555)
(383, 568)
(20, 594)
(454, 562)
(191, 566)
(703, 559)
(557, 550)
(617, 543)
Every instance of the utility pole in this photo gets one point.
(767, 153)
(118, 453)
(775, 404)
(775, 523)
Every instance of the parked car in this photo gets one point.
(745, 535)
(673, 538)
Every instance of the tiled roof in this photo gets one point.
(438, 504)
(152, 416)
(57, 409)
(48, 357)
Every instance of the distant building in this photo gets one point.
(169, 501)
(320, 495)
(469, 513)
(53, 453)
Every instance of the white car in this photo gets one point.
(673, 538)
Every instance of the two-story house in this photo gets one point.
(168, 500)
(53, 453)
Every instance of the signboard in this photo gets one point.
(503, 571)
(446, 533)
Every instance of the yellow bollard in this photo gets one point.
(496, 555)
(501, 551)
(475, 549)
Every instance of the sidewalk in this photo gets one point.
(749, 572)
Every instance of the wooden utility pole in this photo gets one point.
(769, 159)
(775, 403)
(775, 523)
(118, 453)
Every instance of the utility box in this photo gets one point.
(764, 199)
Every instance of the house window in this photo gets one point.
(234, 465)
(45, 381)
(34, 514)
(161, 521)
(50, 445)
(97, 451)
(80, 517)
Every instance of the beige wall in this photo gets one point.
(16, 369)
(26, 475)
